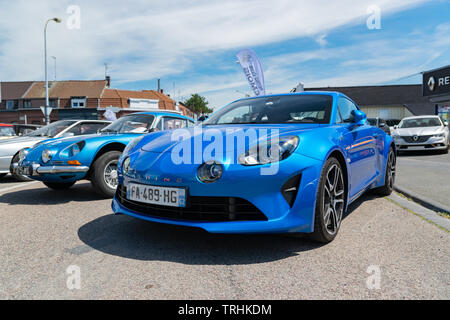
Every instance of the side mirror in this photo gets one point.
(446, 123)
(202, 118)
(359, 117)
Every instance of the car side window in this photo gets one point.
(87, 128)
(170, 123)
(345, 108)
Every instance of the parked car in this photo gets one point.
(379, 123)
(59, 163)
(9, 149)
(6, 131)
(392, 123)
(323, 152)
(23, 129)
(422, 133)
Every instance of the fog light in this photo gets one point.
(210, 171)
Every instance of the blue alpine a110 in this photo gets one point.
(59, 163)
(289, 163)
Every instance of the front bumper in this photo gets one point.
(245, 183)
(430, 144)
(35, 169)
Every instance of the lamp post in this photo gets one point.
(47, 118)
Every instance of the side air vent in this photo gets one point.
(290, 189)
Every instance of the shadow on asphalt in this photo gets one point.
(420, 153)
(44, 196)
(131, 238)
(9, 179)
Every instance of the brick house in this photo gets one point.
(21, 101)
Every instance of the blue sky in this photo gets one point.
(192, 44)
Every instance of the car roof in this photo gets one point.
(164, 113)
(334, 94)
(421, 117)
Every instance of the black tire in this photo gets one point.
(330, 202)
(389, 178)
(2, 175)
(19, 177)
(98, 173)
(59, 185)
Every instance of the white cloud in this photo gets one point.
(143, 40)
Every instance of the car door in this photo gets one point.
(360, 144)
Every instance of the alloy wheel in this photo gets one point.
(110, 174)
(333, 199)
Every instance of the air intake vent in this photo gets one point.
(290, 189)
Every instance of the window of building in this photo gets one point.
(78, 102)
(12, 104)
(27, 103)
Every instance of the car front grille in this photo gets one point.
(420, 139)
(213, 209)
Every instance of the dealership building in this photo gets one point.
(432, 97)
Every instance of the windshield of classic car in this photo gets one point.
(276, 109)
(420, 122)
(7, 132)
(52, 129)
(138, 123)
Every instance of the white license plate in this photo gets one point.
(165, 196)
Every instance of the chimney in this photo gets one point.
(159, 85)
(108, 81)
(161, 90)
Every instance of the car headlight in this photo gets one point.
(439, 135)
(210, 171)
(72, 150)
(133, 143)
(269, 152)
(126, 166)
(47, 155)
(23, 153)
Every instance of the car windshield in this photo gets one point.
(307, 108)
(52, 129)
(7, 132)
(136, 123)
(420, 122)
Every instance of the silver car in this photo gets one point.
(9, 149)
(421, 133)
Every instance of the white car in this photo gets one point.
(421, 133)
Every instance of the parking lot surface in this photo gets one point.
(43, 233)
(426, 174)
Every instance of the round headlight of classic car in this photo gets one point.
(210, 171)
(23, 153)
(47, 155)
(126, 165)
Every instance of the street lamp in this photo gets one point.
(47, 118)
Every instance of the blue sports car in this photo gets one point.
(288, 163)
(59, 163)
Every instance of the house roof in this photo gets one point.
(14, 90)
(67, 89)
(165, 102)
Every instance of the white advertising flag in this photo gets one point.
(253, 71)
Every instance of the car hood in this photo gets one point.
(166, 141)
(420, 131)
(20, 140)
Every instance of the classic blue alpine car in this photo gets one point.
(59, 163)
(301, 160)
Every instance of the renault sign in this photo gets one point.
(436, 82)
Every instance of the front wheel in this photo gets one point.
(389, 179)
(59, 185)
(104, 174)
(330, 202)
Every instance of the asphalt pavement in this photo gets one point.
(382, 252)
(426, 174)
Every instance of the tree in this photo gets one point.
(198, 103)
